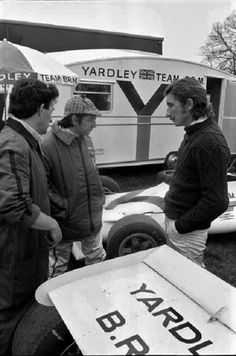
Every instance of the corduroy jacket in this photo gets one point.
(23, 250)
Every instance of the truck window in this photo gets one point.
(100, 94)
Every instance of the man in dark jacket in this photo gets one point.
(75, 188)
(25, 218)
(198, 190)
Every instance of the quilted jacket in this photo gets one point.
(75, 188)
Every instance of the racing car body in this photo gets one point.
(129, 220)
(151, 202)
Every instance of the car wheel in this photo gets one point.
(41, 331)
(134, 233)
(109, 185)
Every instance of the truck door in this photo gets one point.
(213, 88)
(229, 115)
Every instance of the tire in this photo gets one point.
(110, 185)
(165, 176)
(170, 161)
(42, 332)
(134, 233)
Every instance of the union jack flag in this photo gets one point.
(147, 74)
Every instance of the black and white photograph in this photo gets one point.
(117, 177)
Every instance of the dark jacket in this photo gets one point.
(23, 194)
(76, 191)
(198, 190)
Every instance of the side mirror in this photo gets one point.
(165, 176)
(169, 167)
(170, 161)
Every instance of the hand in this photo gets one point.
(172, 227)
(54, 235)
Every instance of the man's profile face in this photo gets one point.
(177, 112)
(46, 117)
(86, 125)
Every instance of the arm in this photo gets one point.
(45, 222)
(15, 201)
(59, 204)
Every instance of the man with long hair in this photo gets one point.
(198, 190)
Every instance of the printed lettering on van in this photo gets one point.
(143, 74)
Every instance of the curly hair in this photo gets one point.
(186, 88)
(28, 95)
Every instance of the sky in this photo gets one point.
(183, 24)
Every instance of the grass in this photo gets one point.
(220, 254)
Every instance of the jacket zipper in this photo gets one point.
(87, 184)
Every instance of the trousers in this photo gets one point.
(191, 245)
(59, 256)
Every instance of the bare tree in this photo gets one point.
(220, 47)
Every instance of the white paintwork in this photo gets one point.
(48, 69)
(225, 223)
(181, 306)
(85, 55)
(42, 293)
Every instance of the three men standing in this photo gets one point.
(197, 194)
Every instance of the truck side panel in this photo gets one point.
(136, 130)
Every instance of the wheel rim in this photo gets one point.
(136, 242)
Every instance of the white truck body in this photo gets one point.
(128, 87)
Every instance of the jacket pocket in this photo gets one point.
(59, 206)
(5, 247)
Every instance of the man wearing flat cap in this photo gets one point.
(75, 188)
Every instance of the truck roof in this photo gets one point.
(74, 57)
(82, 55)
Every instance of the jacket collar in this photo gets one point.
(18, 127)
(193, 128)
(65, 135)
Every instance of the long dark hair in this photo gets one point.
(186, 88)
